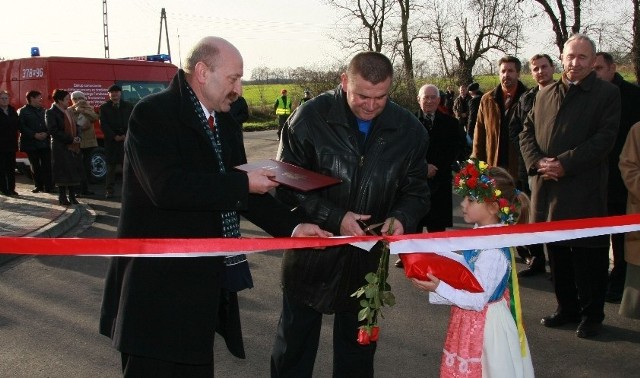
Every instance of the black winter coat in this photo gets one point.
(629, 115)
(9, 130)
(384, 177)
(169, 308)
(32, 122)
(114, 121)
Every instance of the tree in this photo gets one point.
(371, 15)
(560, 17)
(465, 32)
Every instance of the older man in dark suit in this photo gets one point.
(565, 142)
(179, 182)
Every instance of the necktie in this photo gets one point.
(429, 121)
(507, 101)
(212, 124)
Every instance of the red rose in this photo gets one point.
(375, 331)
(363, 337)
(472, 182)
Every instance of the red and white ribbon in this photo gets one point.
(493, 237)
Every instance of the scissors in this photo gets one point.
(370, 229)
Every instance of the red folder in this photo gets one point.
(291, 175)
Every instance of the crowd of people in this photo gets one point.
(59, 141)
(564, 149)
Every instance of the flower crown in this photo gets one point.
(472, 181)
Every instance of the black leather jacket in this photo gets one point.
(386, 176)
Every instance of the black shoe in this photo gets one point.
(73, 201)
(531, 271)
(613, 297)
(588, 329)
(556, 320)
(399, 264)
(13, 193)
(64, 202)
(36, 190)
(108, 195)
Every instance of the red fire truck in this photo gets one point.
(137, 76)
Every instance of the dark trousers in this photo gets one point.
(7, 172)
(282, 118)
(619, 271)
(40, 161)
(144, 367)
(298, 336)
(86, 169)
(579, 278)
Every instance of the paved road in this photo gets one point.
(49, 308)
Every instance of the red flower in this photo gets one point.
(363, 336)
(472, 182)
(375, 331)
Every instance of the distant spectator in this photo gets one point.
(8, 145)
(474, 105)
(84, 115)
(605, 69)
(282, 107)
(114, 120)
(35, 141)
(307, 97)
(240, 110)
(66, 159)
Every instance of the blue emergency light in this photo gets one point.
(35, 51)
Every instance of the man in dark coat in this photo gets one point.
(565, 143)
(114, 118)
(35, 140)
(491, 134)
(8, 145)
(541, 67)
(617, 193)
(446, 141)
(179, 182)
(377, 149)
(474, 104)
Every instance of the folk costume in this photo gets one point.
(485, 337)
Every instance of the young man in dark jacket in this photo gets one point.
(35, 140)
(8, 145)
(356, 134)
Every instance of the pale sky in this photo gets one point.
(274, 34)
(271, 33)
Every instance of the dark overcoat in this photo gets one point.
(446, 140)
(66, 165)
(578, 126)
(114, 121)
(169, 308)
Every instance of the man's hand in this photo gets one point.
(40, 136)
(393, 225)
(351, 226)
(430, 285)
(261, 181)
(550, 169)
(431, 170)
(309, 229)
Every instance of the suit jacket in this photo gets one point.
(114, 121)
(169, 308)
(447, 140)
(578, 126)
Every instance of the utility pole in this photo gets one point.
(105, 28)
(163, 16)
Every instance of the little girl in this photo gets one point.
(483, 339)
